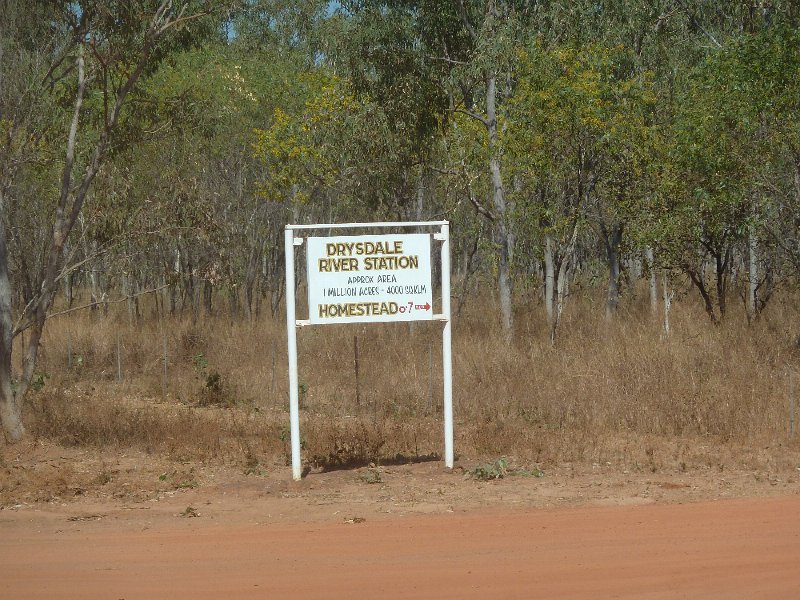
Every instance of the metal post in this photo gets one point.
(272, 379)
(355, 364)
(447, 357)
(791, 401)
(291, 332)
(119, 360)
(164, 378)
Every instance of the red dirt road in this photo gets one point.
(746, 548)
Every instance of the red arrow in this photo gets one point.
(427, 306)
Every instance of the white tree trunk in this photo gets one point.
(561, 291)
(549, 281)
(668, 295)
(421, 192)
(10, 409)
(653, 285)
(752, 275)
(499, 202)
(127, 286)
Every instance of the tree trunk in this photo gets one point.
(467, 271)
(277, 296)
(257, 301)
(421, 193)
(557, 273)
(752, 275)
(561, 289)
(10, 408)
(68, 285)
(632, 273)
(233, 302)
(613, 240)
(94, 286)
(174, 288)
(667, 303)
(127, 286)
(165, 293)
(207, 291)
(499, 203)
(651, 266)
(721, 265)
(191, 288)
(549, 281)
(251, 273)
(35, 313)
(698, 280)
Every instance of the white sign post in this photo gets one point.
(368, 279)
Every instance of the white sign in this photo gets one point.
(369, 278)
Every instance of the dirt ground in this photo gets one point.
(78, 524)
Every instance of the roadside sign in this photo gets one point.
(369, 278)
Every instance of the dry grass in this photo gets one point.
(606, 392)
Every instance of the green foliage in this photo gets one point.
(296, 148)
(720, 170)
(499, 469)
(335, 146)
(489, 471)
(39, 380)
(189, 512)
(371, 475)
(579, 121)
(385, 48)
(180, 480)
(528, 473)
(199, 362)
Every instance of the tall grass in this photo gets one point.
(614, 391)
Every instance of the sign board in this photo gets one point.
(369, 278)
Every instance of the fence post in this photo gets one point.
(272, 380)
(119, 360)
(791, 401)
(164, 378)
(355, 364)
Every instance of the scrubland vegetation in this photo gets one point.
(619, 393)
